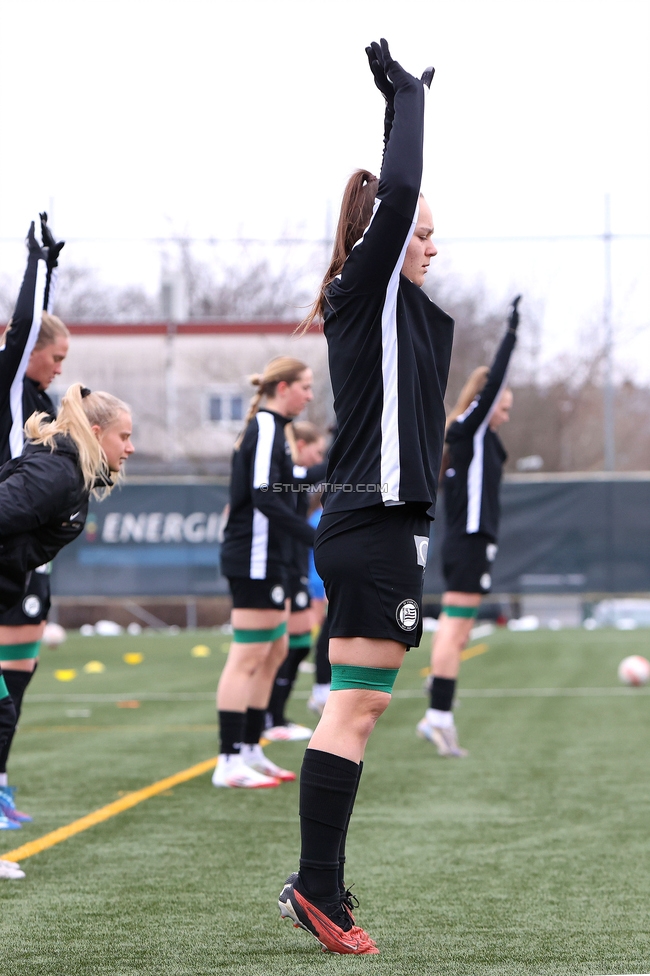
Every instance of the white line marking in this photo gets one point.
(197, 696)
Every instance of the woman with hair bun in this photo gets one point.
(255, 557)
(44, 503)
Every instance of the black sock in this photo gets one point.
(7, 728)
(342, 847)
(231, 731)
(254, 726)
(327, 787)
(284, 682)
(16, 682)
(323, 668)
(442, 693)
(279, 695)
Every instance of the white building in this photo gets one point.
(187, 383)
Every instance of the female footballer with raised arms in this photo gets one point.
(389, 350)
(255, 557)
(473, 464)
(34, 345)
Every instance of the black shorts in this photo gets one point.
(34, 606)
(467, 562)
(299, 593)
(372, 562)
(249, 594)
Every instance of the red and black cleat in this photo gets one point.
(332, 925)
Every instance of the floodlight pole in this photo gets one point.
(608, 390)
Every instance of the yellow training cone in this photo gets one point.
(67, 674)
(133, 658)
(200, 650)
(94, 667)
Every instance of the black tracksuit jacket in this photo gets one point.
(477, 456)
(263, 519)
(20, 397)
(43, 507)
(389, 346)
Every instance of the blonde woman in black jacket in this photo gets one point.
(44, 503)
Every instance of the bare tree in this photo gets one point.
(82, 297)
(251, 290)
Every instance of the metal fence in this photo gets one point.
(559, 535)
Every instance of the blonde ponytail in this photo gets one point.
(282, 368)
(80, 411)
(473, 386)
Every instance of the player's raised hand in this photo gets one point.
(32, 244)
(54, 248)
(514, 314)
(387, 72)
(379, 74)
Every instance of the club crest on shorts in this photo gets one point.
(31, 606)
(301, 599)
(277, 594)
(485, 581)
(491, 551)
(408, 614)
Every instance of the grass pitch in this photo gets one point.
(528, 857)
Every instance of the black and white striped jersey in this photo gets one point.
(15, 399)
(389, 345)
(477, 456)
(263, 519)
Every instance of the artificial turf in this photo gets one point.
(530, 856)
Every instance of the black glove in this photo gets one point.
(514, 315)
(389, 74)
(379, 74)
(54, 248)
(32, 244)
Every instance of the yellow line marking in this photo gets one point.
(105, 813)
(38, 729)
(474, 651)
(468, 653)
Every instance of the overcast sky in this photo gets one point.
(219, 119)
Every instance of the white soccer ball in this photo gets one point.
(634, 670)
(108, 628)
(54, 634)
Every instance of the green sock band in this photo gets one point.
(14, 652)
(4, 691)
(299, 640)
(460, 611)
(346, 676)
(259, 636)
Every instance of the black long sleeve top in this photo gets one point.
(15, 395)
(389, 345)
(477, 456)
(263, 519)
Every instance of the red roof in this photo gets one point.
(182, 328)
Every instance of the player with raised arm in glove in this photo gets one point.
(389, 350)
(472, 465)
(35, 345)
